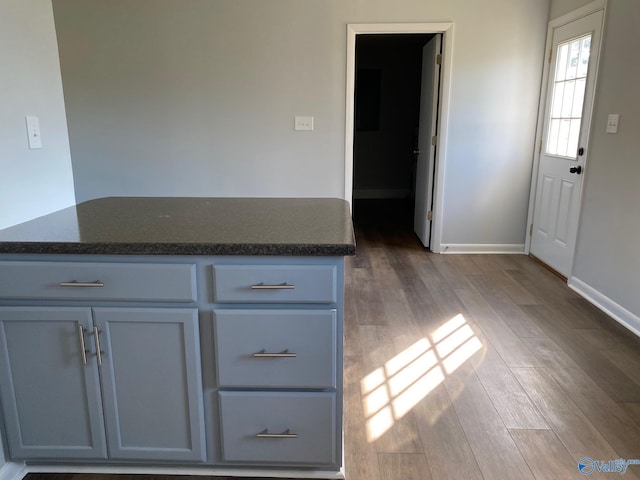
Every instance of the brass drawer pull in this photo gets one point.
(278, 286)
(282, 354)
(75, 283)
(286, 434)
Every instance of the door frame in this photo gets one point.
(446, 29)
(572, 16)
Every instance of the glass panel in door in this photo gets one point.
(565, 114)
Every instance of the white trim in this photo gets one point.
(620, 314)
(578, 13)
(13, 471)
(588, 9)
(381, 193)
(200, 471)
(493, 248)
(446, 29)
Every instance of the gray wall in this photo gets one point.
(561, 7)
(32, 182)
(607, 257)
(197, 97)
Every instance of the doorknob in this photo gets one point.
(416, 152)
(577, 169)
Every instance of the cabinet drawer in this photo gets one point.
(98, 281)
(275, 283)
(309, 420)
(250, 346)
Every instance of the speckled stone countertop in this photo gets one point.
(189, 226)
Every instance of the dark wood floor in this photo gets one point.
(475, 367)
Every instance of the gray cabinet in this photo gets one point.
(278, 346)
(230, 362)
(51, 399)
(151, 383)
(142, 364)
(279, 427)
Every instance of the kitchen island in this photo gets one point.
(198, 334)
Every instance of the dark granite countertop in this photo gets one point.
(189, 226)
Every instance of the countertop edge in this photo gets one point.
(182, 249)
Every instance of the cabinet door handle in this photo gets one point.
(75, 283)
(96, 338)
(282, 354)
(83, 348)
(277, 286)
(286, 434)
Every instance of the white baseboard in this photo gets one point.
(498, 248)
(381, 194)
(13, 471)
(620, 314)
(200, 471)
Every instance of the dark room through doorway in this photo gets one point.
(388, 83)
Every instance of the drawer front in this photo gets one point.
(275, 283)
(98, 281)
(276, 348)
(310, 417)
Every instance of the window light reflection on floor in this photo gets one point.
(391, 391)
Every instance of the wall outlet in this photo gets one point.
(304, 123)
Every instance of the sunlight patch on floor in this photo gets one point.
(394, 389)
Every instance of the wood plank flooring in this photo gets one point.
(475, 367)
(514, 375)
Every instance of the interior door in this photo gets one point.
(570, 89)
(427, 131)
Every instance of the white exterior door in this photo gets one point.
(426, 132)
(570, 89)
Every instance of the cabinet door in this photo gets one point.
(50, 397)
(151, 383)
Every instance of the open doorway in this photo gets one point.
(387, 110)
(445, 31)
(393, 152)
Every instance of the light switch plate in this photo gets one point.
(303, 123)
(612, 123)
(33, 132)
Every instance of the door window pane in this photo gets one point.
(567, 99)
(556, 106)
(563, 137)
(578, 98)
(574, 135)
(561, 66)
(584, 57)
(565, 115)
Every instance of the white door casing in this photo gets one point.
(426, 133)
(574, 51)
(446, 29)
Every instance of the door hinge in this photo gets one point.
(434, 140)
(439, 59)
(550, 55)
(429, 215)
(531, 230)
(540, 147)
